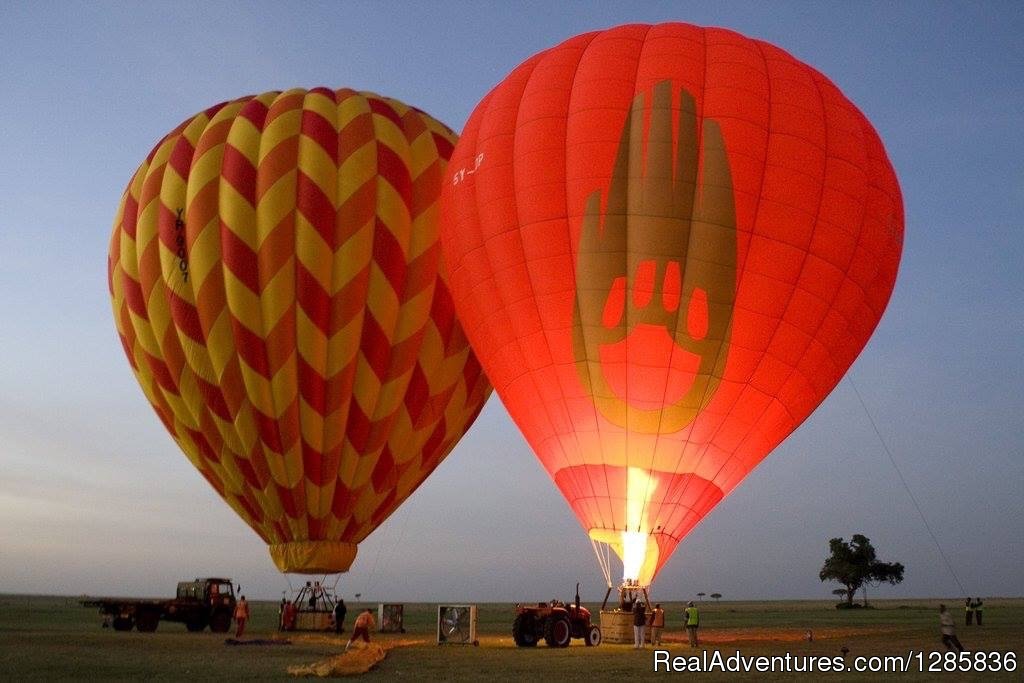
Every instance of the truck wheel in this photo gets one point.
(147, 621)
(122, 623)
(593, 637)
(557, 631)
(220, 622)
(195, 626)
(524, 631)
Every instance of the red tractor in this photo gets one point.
(556, 622)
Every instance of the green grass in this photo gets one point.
(54, 638)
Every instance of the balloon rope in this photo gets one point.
(910, 495)
(604, 561)
(370, 581)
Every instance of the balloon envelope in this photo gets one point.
(666, 244)
(274, 271)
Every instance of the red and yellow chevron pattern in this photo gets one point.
(277, 286)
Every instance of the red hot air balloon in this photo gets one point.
(667, 244)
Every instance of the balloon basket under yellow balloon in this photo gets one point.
(313, 557)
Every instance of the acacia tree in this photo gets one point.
(855, 563)
(701, 595)
(716, 596)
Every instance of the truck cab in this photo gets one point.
(204, 602)
(211, 591)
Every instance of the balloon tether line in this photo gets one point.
(370, 581)
(603, 560)
(906, 487)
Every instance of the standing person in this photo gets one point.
(340, 610)
(969, 612)
(948, 628)
(657, 624)
(639, 622)
(691, 618)
(979, 608)
(280, 615)
(361, 628)
(241, 616)
(290, 613)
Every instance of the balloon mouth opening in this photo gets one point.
(647, 369)
(638, 551)
(635, 545)
(313, 557)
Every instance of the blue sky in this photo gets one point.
(95, 497)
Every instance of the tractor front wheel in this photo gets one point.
(557, 631)
(524, 631)
(592, 637)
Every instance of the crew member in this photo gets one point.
(361, 628)
(289, 615)
(639, 622)
(241, 616)
(691, 617)
(979, 609)
(657, 624)
(948, 628)
(969, 612)
(340, 610)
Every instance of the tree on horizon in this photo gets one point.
(856, 563)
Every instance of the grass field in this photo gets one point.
(54, 638)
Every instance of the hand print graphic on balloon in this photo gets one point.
(656, 271)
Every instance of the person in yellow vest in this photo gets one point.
(979, 608)
(657, 623)
(968, 612)
(241, 616)
(692, 619)
(361, 628)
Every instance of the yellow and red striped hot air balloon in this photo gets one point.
(276, 284)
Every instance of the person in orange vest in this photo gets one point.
(361, 628)
(657, 623)
(241, 616)
(288, 616)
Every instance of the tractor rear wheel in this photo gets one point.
(592, 637)
(122, 623)
(524, 630)
(220, 622)
(147, 620)
(557, 631)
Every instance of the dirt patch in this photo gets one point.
(783, 635)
